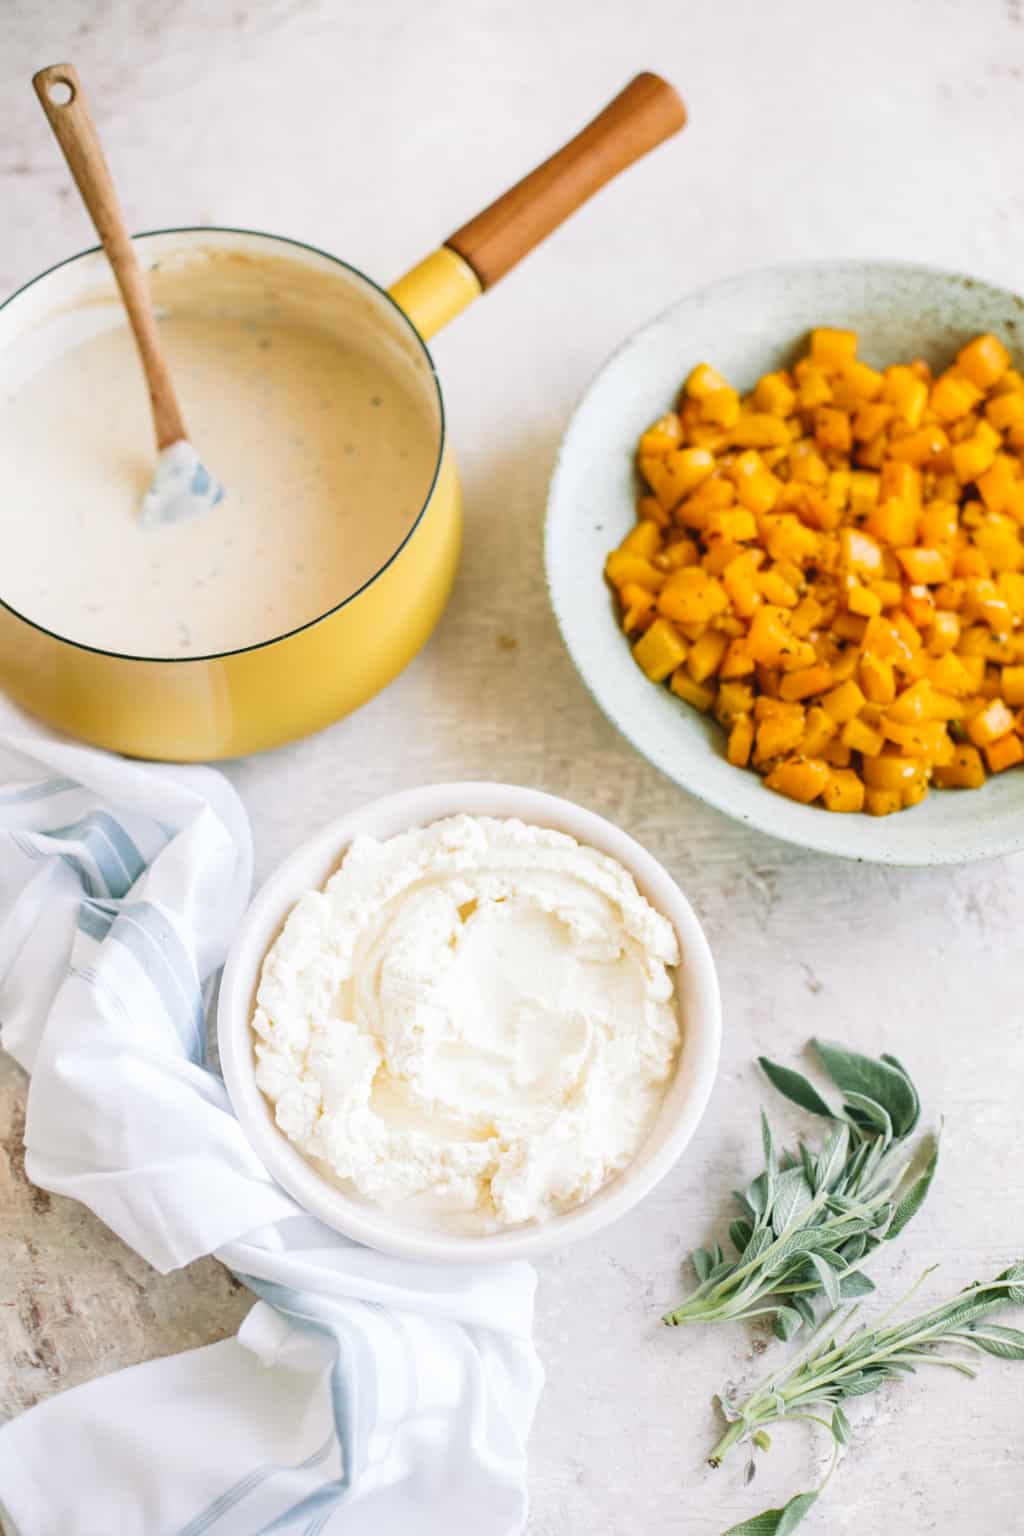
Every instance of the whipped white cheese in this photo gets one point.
(477, 1017)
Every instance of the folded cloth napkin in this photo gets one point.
(363, 1394)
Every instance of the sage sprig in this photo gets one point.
(809, 1218)
(844, 1360)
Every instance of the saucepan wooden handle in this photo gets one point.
(640, 118)
(64, 102)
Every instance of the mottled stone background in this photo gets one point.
(372, 128)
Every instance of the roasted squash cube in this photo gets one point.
(799, 778)
(660, 650)
(843, 791)
(984, 361)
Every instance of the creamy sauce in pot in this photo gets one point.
(322, 432)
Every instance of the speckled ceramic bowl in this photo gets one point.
(746, 326)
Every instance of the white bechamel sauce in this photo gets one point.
(321, 428)
(474, 1022)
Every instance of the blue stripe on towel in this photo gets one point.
(113, 852)
(353, 1359)
(41, 791)
(95, 918)
(245, 1485)
(149, 937)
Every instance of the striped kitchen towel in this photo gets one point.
(363, 1394)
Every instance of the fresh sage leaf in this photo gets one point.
(760, 1240)
(787, 1322)
(740, 1233)
(828, 1278)
(792, 1197)
(832, 1157)
(803, 1306)
(701, 1261)
(891, 1061)
(809, 1167)
(795, 1087)
(916, 1195)
(887, 1085)
(757, 1194)
(744, 1204)
(1015, 1277)
(855, 1283)
(869, 1114)
(768, 1145)
(1007, 1343)
(853, 1248)
(776, 1522)
(840, 1425)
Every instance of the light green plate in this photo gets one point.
(746, 326)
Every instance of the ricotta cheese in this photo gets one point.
(476, 1019)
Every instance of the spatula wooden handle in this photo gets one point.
(647, 112)
(76, 134)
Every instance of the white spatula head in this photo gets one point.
(182, 487)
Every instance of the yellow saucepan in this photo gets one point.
(287, 686)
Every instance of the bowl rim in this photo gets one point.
(966, 853)
(428, 496)
(375, 1226)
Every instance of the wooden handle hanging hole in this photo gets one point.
(60, 91)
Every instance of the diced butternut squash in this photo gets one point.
(833, 349)
(843, 791)
(775, 394)
(844, 702)
(972, 457)
(1004, 411)
(757, 488)
(691, 596)
(922, 448)
(704, 381)
(644, 539)
(861, 737)
(984, 361)
(882, 802)
(1004, 753)
(660, 650)
(906, 393)
(965, 770)
(721, 407)
(989, 723)
(877, 679)
(622, 568)
(697, 694)
(953, 396)
(1013, 685)
(778, 734)
(706, 655)
(832, 430)
(805, 681)
(893, 522)
(759, 429)
(890, 771)
(819, 729)
(799, 778)
(663, 435)
(741, 740)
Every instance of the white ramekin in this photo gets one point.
(309, 866)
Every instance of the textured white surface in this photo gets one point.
(373, 128)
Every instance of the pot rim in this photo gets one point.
(259, 645)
